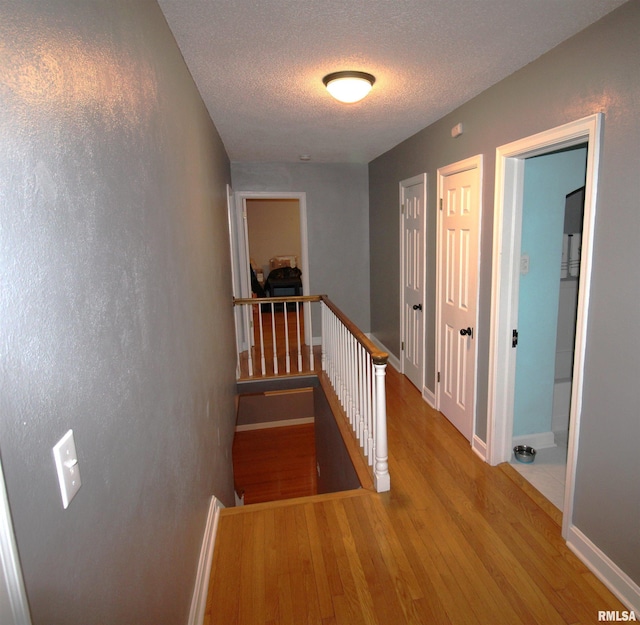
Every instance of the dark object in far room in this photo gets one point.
(284, 282)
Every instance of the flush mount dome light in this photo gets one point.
(348, 86)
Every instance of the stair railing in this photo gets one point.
(274, 344)
(356, 369)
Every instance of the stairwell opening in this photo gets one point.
(287, 442)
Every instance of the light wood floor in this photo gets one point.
(455, 542)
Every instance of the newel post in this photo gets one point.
(381, 464)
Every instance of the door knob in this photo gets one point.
(417, 307)
(467, 332)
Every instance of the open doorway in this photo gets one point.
(278, 239)
(275, 219)
(552, 224)
(274, 242)
(507, 265)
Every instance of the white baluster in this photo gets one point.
(323, 338)
(247, 314)
(369, 400)
(263, 362)
(274, 342)
(310, 335)
(287, 357)
(298, 336)
(360, 381)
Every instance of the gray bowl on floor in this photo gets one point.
(524, 453)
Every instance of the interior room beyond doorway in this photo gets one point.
(273, 233)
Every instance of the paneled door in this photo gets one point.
(458, 246)
(412, 232)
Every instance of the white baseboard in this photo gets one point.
(479, 447)
(199, 599)
(274, 424)
(429, 397)
(614, 578)
(542, 440)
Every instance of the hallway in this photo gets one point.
(455, 541)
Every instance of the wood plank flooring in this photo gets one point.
(455, 541)
(275, 463)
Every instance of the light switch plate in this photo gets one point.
(66, 459)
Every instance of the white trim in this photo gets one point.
(541, 440)
(201, 588)
(274, 424)
(14, 606)
(402, 185)
(473, 162)
(505, 280)
(429, 397)
(479, 447)
(610, 574)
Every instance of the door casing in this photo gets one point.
(505, 284)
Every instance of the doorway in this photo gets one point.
(271, 211)
(273, 236)
(552, 216)
(507, 258)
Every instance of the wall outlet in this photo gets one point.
(66, 459)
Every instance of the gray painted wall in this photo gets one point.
(115, 309)
(337, 225)
(597, 70)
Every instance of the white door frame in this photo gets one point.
(409, 182)
(14, 607)
(507, 226)
(473, 162)
(242, 243)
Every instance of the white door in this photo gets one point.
(458, 246)
(412, 212)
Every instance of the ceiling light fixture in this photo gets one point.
(348, 87)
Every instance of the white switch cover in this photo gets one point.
(64, 454)
(524, 264)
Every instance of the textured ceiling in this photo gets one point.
(259, 65)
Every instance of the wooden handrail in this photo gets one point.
(379, 357)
